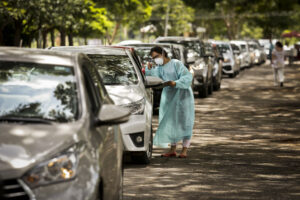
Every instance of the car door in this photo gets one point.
(104, 138)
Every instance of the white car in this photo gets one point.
(245, 53)
(124, 81)
(230, 66)
(257, 53)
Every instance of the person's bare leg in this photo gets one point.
(173, 149)
(184, 151)
(185, 145)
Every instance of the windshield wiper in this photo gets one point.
(33, 120)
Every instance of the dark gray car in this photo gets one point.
(195, 53)
(60, 137)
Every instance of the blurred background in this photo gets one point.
(45, 23)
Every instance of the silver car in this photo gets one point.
(230, 66)
(60, 137)
(126, 85)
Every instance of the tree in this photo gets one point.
(126, 12)
(180, 17)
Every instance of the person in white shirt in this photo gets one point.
(278, 64)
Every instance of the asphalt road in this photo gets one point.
(246, 145)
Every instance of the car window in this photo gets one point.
(115, 69)
(31, 90)
(139, 63)
(177, 53)
(223, 48)
(93, 86)
(243, 48)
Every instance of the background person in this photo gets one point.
(278, 64)
(176, 111)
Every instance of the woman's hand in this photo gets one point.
(149, 65)
(170, 83)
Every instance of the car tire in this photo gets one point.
(211, 86)
(203, 92)
(145, 156)
(232, 75)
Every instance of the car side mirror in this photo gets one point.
(112, 114)
(152, 82)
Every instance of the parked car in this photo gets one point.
(126, 85)
(199, 61)
(61, 138)
(217, 65)
(237, 55)
(258, 54)
(245, 54)
(230, 66)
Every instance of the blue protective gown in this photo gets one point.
(176, 111)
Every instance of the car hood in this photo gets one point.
(124, 94)
(24, 145)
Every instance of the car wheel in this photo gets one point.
(232, 75)
(203, 92)
(145, 157)
(211, 86)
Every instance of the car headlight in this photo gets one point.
(136, 108)
(226, 60)
(62, 167)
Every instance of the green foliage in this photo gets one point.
(249, 31)
(80, 17)
(180, 17)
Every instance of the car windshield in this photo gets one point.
(115, 69)
(31, 90)
(144, 53)
(223, 48)
(243, 48)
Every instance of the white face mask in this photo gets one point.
(159, 61)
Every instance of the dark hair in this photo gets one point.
(279, 44)
(159, 50)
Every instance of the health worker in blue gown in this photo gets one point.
(176, 111)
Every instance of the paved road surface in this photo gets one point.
(246, 145)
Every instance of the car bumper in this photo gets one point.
(227, 69)
(137, 124)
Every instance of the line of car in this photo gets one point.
(68, 115)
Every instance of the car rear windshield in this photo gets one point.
(31, 90)
(115, 69)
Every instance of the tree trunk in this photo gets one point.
(114, 33)
(39, 39)
(85, 41)
(44, 35)
(62, 37)
(52, 38)
(70, 38)
(18, 29)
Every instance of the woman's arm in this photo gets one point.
(185, 77)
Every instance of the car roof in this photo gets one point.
(238, 42)
(102, 50)
(149, 44)
(37, 56)
(176, 38)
